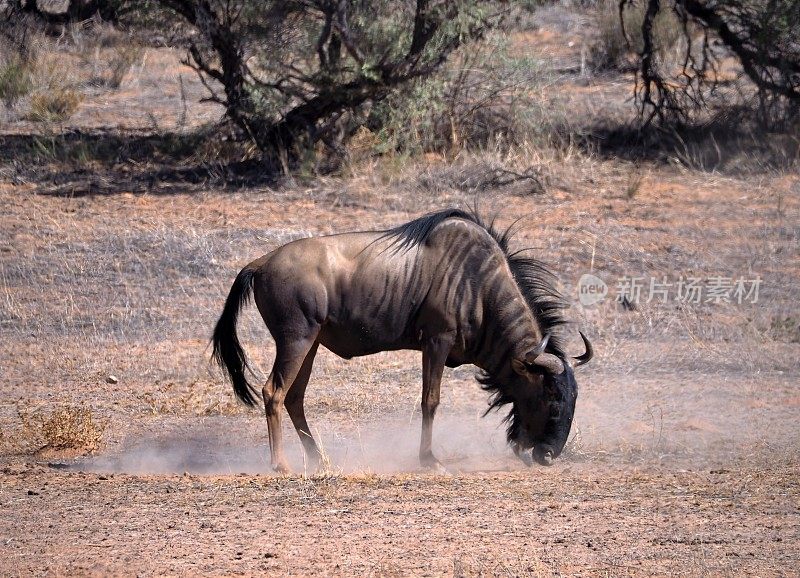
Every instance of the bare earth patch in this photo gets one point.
(684, 457)
(575, 520)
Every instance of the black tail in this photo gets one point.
(228, 352)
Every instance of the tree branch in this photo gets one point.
(753, 62)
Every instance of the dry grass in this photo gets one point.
(121, 61)
(106, 55)
(63, 428)
(466, 566)
(55, 105)
(45, 74)
(199, 398)
(71, 428)
(105, 67)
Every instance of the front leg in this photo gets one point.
(434, 355)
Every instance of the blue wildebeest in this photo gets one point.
(445, 284)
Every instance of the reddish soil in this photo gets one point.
(573, 520)
(685, 451)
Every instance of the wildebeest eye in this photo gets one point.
(551, 390)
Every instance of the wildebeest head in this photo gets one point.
(542, 392)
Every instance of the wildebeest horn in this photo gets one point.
(548, 361)
(538, 350)
(552, 363)
(588, 354)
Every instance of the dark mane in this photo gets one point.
(534, 279)
(535, 282)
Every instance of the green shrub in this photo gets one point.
(487, 96)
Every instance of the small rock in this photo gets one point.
(112, 379)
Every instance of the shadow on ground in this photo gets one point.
(732, 146)
(105, 162)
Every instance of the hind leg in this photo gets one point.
(294, 407)
(289, 362)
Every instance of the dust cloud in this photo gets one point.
(619, 421)
(229, 445)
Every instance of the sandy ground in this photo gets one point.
(574, 520)
(684, 457)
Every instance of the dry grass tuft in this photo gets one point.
(56, 105)
(122, 59)
(105, 53)
(465, 565)
(785, 328)
(72, 428)
(65, 428)
(198, 398)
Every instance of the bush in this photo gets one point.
(487, 97)
(55, 105)
(291, 69)
(15, 80)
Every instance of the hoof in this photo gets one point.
(282, 468)
(434, 466)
